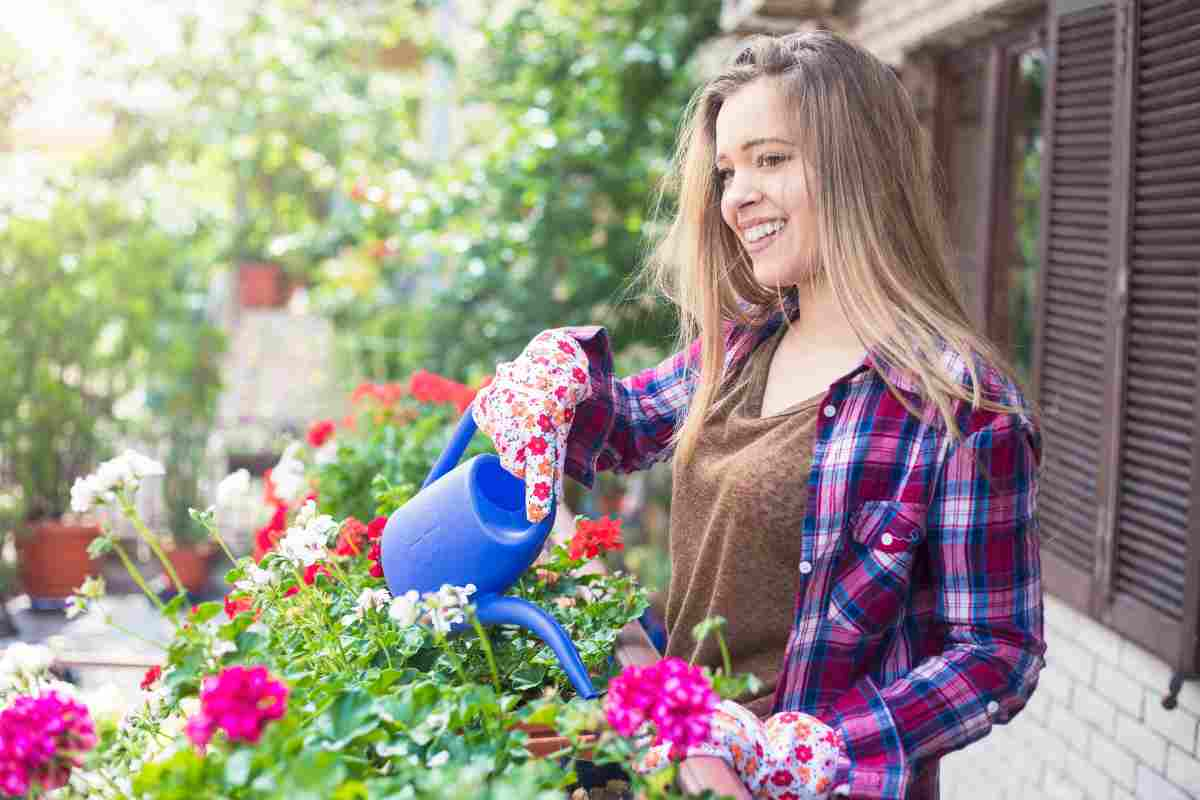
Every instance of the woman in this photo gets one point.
(855, 468)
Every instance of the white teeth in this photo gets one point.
(764, 230)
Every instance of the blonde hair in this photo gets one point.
(881, 243)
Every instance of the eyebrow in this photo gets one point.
(757, 142)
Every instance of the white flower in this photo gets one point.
(288, 475)
(369, 600)
(256, 578)
(26, 659)
(440, 759)
(223, 646)
(405, 609)
(307, 539)
(232, 487)
(444, 608)
(123, 473)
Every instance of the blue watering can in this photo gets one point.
(467, 524)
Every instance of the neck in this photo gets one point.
(820, 320)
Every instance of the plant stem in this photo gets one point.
(212, 529)
(109, 620)
(724, 654)
(151, 539)
(136, 574)
(487, 649)
(449, 651)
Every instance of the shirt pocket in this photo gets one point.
(874, 573)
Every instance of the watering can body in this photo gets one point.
(468, 525)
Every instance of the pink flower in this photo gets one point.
(239, 701)
(41, 740)
(320, 431)
(674, 696)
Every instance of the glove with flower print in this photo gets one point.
(527, 410)
(789, 756)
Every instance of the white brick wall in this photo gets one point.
(1095, 728)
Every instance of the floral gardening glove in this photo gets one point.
(527, 410)
(790, 756)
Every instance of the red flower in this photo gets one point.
(804, 753)
(375, 528)
(561, 394)
(538, 445)
(269, 535)
(353, 539)
(541, 491)
(545, 423)
(313, 570)
(151, 677)
(320, 431)
(427, 387)
(385, 394)
(781, 777)
(238, 605)
(375, 555)
(595, 537)
(579, 375)
(291, 590)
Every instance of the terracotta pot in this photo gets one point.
(191, 562)
(544, 740)
(261, 285)
(53, 560)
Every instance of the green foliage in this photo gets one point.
(539, 222)
(97, 305)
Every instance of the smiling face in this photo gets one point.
(764, 187)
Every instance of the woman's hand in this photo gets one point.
(790, 755)
(527, 410)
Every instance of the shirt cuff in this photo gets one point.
(873, 764)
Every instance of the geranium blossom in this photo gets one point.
(321, 432)
(238, 605)
(21, 658)
(123, 473)
(354, 538)
(428, 387)
(593, 538)
(405, 609)
(444, 608)
(671, 694)
(306, 540)
(375, 534)
(42, 739)
(368, 600)
(269, 535)
(240, 701)
(151, 677)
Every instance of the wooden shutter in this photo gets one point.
(1116, 367)
(1153, 596)
(1071, 358)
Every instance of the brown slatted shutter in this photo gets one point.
(1154, 596)
(1071, 359)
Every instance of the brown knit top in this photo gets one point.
(737, 513)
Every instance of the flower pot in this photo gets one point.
(544, 740)
(261, 285)
(191, 563)
(53, 560)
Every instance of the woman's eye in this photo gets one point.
(771, 160)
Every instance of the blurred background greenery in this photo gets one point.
(442, 181)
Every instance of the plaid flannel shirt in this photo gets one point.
(918, 621)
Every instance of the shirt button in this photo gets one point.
(805, 567)
(993, 707)
(886, 539)
(830, 411)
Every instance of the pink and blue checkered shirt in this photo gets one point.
(918, 621)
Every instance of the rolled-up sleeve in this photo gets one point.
(626, 424)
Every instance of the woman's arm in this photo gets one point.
(983, 543)
(626, 424)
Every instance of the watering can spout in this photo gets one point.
(468, 525)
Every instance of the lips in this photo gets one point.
(763, 243)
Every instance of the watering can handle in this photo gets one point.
(453, 452)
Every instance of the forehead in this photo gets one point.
(757, 110)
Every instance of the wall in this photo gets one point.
(1095, 728)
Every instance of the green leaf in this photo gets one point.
(100, 546)
(530, 677)
(206, 611)
(352, 715)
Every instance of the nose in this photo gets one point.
(741, 192)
